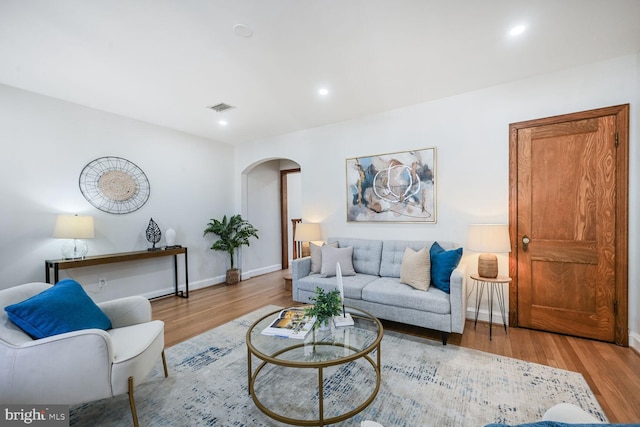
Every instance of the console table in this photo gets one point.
(63, 264)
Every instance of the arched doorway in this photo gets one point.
(271, 194)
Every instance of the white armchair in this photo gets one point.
(79, 366)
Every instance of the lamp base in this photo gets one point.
(345, 320)
(488, 266)
(74, 249)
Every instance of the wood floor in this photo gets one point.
(612, 372)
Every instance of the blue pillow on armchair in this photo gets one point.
(442, 265)
(64, 307)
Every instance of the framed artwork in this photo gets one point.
(393, 187)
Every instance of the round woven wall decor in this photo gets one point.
(114, 185)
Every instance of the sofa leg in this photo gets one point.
(132, 403)
(445, 337)
(164, 365)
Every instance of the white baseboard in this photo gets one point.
(483, 316)
(634, 341)
(211, 281)
(219, 280)
(259, 271)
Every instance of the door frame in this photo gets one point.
(621, 308)
(284, 216)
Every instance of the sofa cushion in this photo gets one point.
(442, 265)
(393, 253)
(389, 291)
(366, 254)
(315, 251)
(416, 269)
(62, 308)
(353, 285)
(331, 256)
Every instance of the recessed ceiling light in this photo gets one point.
(517, 30)
(242, 30)
(222, 122)
(323, 91)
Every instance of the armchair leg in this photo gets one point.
(164, 364)
(132, 403)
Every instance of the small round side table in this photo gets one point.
(495, 287)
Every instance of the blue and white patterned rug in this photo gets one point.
(423, 384)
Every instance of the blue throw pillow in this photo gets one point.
(442, 264)
(62, 308)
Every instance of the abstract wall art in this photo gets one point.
(393, 187)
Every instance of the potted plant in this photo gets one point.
(233, 233)
(325, 306)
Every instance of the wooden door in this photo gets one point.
(569, 185)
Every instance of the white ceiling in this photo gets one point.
(164, 61)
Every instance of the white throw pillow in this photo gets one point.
(331, 256)
(316, 255)
(415, 270)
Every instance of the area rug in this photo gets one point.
(423, 384)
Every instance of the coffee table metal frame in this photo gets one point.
(319, 365)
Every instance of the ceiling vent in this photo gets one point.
(219, 108)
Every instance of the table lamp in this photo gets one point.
(488, 239)
(74, 227)
(307, 232)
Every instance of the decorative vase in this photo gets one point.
(170, 236)
(233, 276)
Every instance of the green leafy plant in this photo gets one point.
(233, 233)
(325, 305)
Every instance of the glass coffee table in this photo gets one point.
(327, 377)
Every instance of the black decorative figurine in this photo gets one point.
(153, 234)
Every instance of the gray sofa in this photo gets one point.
(376, 286)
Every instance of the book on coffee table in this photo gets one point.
(290, 323)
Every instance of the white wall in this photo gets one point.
(263, 212)
(470, 132)
(45, 145)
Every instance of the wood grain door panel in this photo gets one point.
(566, 198)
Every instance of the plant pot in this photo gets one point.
(325, 325)
(233, 276)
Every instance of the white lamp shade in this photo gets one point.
(491, 238)
(74, 227)
(307, 232)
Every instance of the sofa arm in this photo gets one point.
(127, 311)
(458, 298)
(300, 268)
(68, 368)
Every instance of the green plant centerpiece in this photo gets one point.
(325, 306)
(233, 233)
